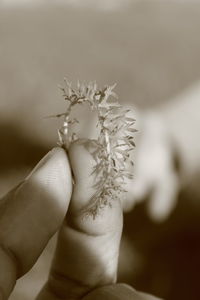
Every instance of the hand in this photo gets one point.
(154, 172)
(86, 257)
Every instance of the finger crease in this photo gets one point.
(13, 257)
(61, 285)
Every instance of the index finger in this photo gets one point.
(30, 215)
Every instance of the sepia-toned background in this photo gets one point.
(151, 49)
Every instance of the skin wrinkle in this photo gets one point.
(55, 280)
(111, 264)
(6, 249)
(90, 205)
(77, 229)
(58, 276)
(84, 218)
(9, 196)
(111, 276)
(40, 190)
(43, 189)
(85, 215)
(14, 258)
(15, 262)
(72, 226)
(48, 184)
(50, 179)
(52, 291)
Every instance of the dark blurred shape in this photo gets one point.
(170, 251)
(17, 149)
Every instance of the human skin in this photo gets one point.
(25, 225)
(86, 256)
(87, 251)
(167, 154)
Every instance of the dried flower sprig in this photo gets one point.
(111, 150)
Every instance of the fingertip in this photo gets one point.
(160, 207)
(164, 198)
(53, 166)
(53, 177)
(57, 153)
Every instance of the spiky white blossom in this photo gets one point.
(111, 150)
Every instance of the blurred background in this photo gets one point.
(151, 49)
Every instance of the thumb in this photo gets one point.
(31, 214)
(82, 209)
(88, 247)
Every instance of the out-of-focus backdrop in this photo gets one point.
(152, 50)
